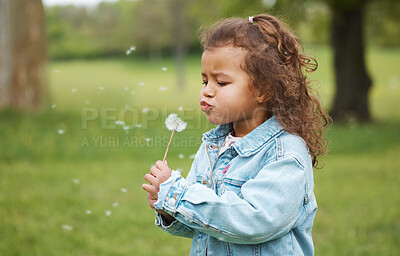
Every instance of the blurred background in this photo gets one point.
(85, 87)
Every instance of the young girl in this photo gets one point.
(250, 188)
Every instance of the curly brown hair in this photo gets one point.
(275, 62)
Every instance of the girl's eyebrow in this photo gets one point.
(215, 74)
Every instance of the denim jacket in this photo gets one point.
(256, 198)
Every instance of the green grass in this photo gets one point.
(357, 190)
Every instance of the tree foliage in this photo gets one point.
(111, 28)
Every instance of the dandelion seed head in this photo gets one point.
(126, 88)
(60, 131)
(132, 92)
(124, 190)
(180, 108)
(192, 156)
(87, 102)
(162, 88)
(76, 181)
(138, 125)
(53, 106)
(126, 127)
(145, 110)
(174, 123)
(181, 156)
(56, 70)
(164, 69)
(115, 204)
(88, 212)
(73, 90)
(141, 83)
(147, 139)
(108, 213)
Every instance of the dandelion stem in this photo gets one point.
(169, 144)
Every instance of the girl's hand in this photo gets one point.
(152, 200)
(158, 174)
(152, 192)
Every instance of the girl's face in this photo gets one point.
(226, 95)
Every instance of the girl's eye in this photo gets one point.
(222, 83)
(205, 82)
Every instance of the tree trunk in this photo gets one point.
(352, 80)
(22, 54)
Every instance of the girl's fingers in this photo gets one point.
(151, 199)
(151, 179)
(161, 165)
(154, 171)
(150, 189)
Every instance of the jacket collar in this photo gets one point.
(252, 142)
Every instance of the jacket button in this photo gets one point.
(171, 202)
(211, 146)
(208, 183)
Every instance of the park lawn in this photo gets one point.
(49, 178)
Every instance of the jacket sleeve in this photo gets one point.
(175, 228)
(270, 206)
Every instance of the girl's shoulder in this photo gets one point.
(291, 143)
(287, 145)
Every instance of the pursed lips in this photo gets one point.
(205, 105)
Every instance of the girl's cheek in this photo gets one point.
(201, 92)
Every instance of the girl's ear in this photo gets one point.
(260, 98)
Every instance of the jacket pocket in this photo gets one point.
(234, 185)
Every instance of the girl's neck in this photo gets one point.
(243, 127)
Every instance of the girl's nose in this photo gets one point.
(208, 91)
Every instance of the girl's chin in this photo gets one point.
(215, 121)
(211, 119)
